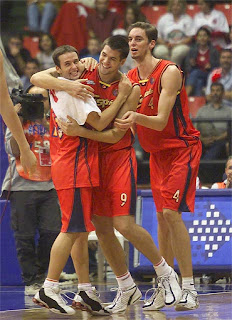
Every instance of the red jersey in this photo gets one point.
(74, 159)
(179, 131)
(38, 139)
(104, 95)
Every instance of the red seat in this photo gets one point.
(153, 13)
(31, 44)
(195, 103)
(226, 8)
(192, 9)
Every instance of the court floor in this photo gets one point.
(215, 304)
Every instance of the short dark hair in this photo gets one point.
(217, 84)
(119, 43)
(150, 30)
(204, 29)
(33, 60)
(225, 50)
(62, 50)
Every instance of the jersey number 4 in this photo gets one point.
(176, 195)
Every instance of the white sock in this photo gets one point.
(188, 283)
(84, 287)
(125, 281)
(162, 268)
(49, 283)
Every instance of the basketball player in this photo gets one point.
(115, 199)
(166, 132)
(10, 117)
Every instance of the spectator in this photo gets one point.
(32, 66)
(223, 74)
(214, 19)
(34, 204)
(132, 14)
(175, 31)
(101, 22)
(227, 183)
(47, 45)
(214, 135)
(201, 59)
(93, 49)
(17, 55)
(41, 14)
(229, 45)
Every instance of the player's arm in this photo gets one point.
(109, 136)
(47, 79)
(10, 117)
(100, 122)
(171, 82)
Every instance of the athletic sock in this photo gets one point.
(188, 283)
(84, 287)
(125, 281)
(162, 268)
(49, 283)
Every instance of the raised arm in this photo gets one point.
(109, 136)
(11, 119)
(171, 83)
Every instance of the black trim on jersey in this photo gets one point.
(183, 205)
(133, 189)
(86, 161)
(76, 161)
(177, 114)
(77, 222)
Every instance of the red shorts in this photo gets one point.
(173, 174)
(116, 195)
(77, 208)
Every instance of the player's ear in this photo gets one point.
(58, 69)
(152, 44)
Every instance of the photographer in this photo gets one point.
(34, 203)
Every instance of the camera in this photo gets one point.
(32, 104)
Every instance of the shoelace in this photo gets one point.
(62, 292)
(119, 291)
(164, 281)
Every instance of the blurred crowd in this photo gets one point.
(200, 43)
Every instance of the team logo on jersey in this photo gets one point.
(152, 80)
(90, 82)
(115, 92)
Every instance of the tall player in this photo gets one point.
(166, 132)
(75, 173)
(10, 117)
(115, 199)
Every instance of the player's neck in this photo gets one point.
(109, 78)
(146, 66)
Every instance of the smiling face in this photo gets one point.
(70, 66)
(139, 44)
(110, 61)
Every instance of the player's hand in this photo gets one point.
(28, 161)
(70, 128)
(127, 121)
(18, 107)
(89, 63)
(78, 89)
(125, 86)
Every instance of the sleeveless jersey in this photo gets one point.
(179, 131)
(38, 139)
(74, 159)
(104, 95)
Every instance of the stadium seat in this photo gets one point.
(31, 44)
(153, 13)
(192, 9)
(195, 103)
(226, 8)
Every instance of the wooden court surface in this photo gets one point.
(215, 304)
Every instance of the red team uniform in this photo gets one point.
(116, 194)
(174, 152)
(74, 172)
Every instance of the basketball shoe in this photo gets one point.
(156, 301)
(51, 298)
(188, 301)
(89, 301)
(124, 298)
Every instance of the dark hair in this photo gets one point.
(204, 29)
(62, 50)
(150, 30)
(33, 60)
(217, 84)
(210, 3)
(228, 159)
(138, 15)
(225, 50)
(16, 35)
(50, 37)
(119, 43)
